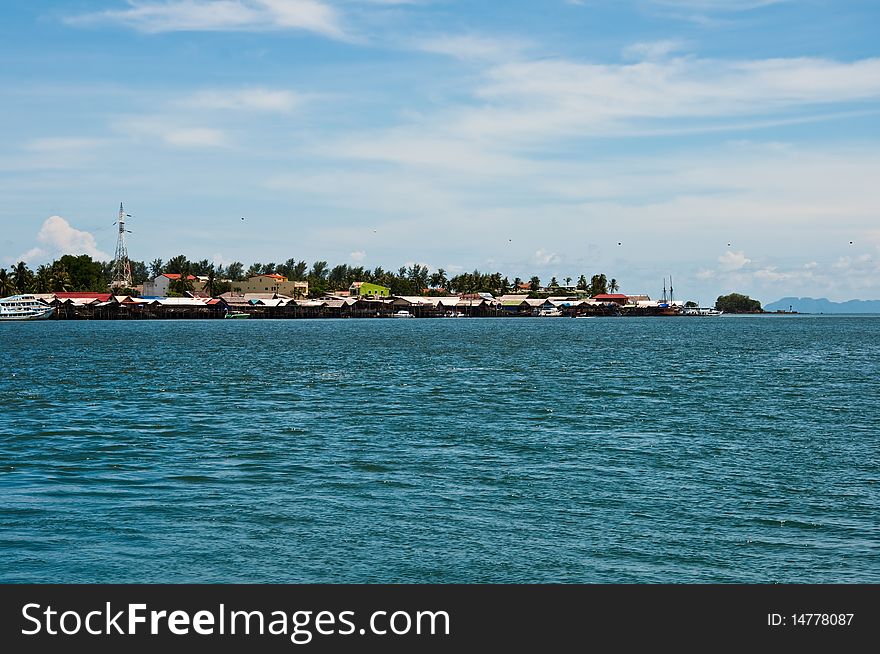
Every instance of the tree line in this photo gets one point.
(81, 273)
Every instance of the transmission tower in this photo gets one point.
(121, 263)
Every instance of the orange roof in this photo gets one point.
(177, 276)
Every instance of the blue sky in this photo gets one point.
(732, 144)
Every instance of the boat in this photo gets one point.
(701, 311)
(453, 314)
(549, 313)
(24, 307)
(402, 314)
(237, 314)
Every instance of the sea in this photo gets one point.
(739, 449)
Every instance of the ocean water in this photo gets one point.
(732, 449)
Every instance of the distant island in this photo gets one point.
(823, 305)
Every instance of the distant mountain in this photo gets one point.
(823, 305)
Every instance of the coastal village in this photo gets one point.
(275, 296)
(264, 292)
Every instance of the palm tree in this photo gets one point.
(156, 267)
(183, 285)
(61, 280)
(212, 280)
(298, 273)
(613, 286)
(6, 286)
(319, 270)
(43, 279)
(24, 278)
(568, 281)
(534, 283)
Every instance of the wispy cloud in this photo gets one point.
(170, 131)
(542, 98)
(152, 16)
(649, 50)
(472, 46)
(253, 99)
(719, 5)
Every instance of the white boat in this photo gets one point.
(549, 313)
(24, 307)
(402, 314)
(701, 311)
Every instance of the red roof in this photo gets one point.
(177, 276)
(78, 295)
(610, 296)
(280, 278)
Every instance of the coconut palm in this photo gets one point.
(24, 278)
(61, 280)
(212, 281)
(6, 285)
(613, 287)
(156, 267)
(43, 279)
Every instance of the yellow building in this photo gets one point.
(272, 284)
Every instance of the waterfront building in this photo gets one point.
(616, 298)
(159, 286)
(367, 289)
(272, 284)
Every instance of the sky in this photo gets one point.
(729, 144)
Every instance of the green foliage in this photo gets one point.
(7, 284)
(80, 273)
(182, 285)
(737, 303)
(179, 265)
(598, 285)
(235, 271)
(690, 304)
(139, 272)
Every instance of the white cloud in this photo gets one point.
(652, 50)
(255, 99)
(357, 256)
(471, 46)
(64, 144)
(545, 98)
(152, 16)
(171, 131)
(733, 260)
(199, 137)
(719, 5)
(544, 258)
(57, 237)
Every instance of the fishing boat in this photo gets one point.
(549, 313)
(24, 307)
(237, 315)
(402, 314)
